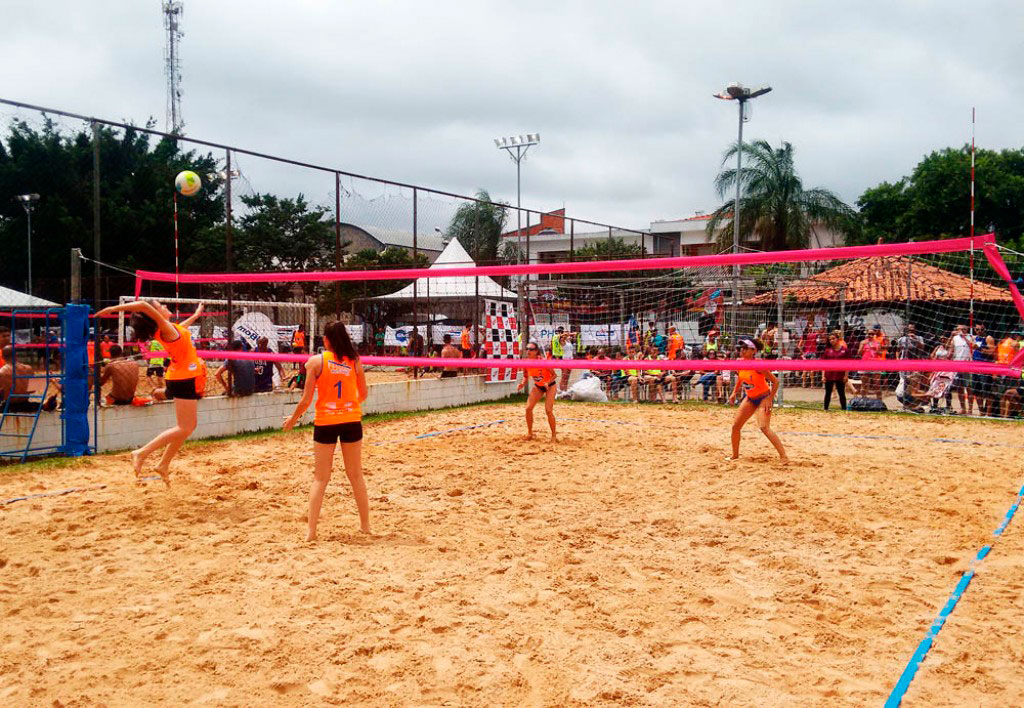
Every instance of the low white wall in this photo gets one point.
(127, 427)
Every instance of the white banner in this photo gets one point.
(251, 326)
(608, 335)
(357, 333)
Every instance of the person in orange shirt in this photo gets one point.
(465, 343)
(758, 389)
(5, 339)
(542, 386)
(675, 343)
(185, 377)
(105, 345)
(299, 339)
(337, 379)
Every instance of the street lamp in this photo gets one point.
(517, 145)
(28, 202)
(741, 94)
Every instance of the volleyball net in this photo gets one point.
(907, 307)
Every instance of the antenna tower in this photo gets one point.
(173, 10)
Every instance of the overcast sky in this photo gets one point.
(621, 92)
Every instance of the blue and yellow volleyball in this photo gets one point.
(188, 183)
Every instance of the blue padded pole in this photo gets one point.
(76, 380)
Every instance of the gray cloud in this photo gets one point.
(621, 92)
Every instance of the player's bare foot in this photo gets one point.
(137, 460)
(165, 475)
(529, 436)
(783, 460)
(554, 438)
(732, 458)
(311, 538)
(366, 530)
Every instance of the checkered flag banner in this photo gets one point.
(500, 327)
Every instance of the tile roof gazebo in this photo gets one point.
(885, 279)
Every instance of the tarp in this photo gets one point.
(13, 298)
(455, 288)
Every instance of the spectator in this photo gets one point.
(241, 374)
(711, 343)
(14, 378)
(809, 350)
(299, 339)
(872, 349)
(675, 344)
(568, 347)
(722, 382)
(417, 348)
(1005, 352)
(980, 386)
(379, 339)
(941, 385)
(960, 345)
(769, 342)
(619, 379)
(660, 342)
(5, 339)
(105, 346)
(155, 365)
(605, 375)
(123, 376)
(466, 341)
(448, 351)
(836, 380)
(265, 368)
(709, 378)
(298, 377)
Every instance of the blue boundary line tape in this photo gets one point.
(60, 493)
(900, 689)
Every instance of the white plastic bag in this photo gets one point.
(589, 390)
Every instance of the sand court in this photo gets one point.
(629, 564)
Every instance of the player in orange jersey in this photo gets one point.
(542, 385)
(337, 379)
(185, 377)
(758, 389)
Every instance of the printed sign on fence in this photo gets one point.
(501, 339)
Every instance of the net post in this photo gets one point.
(572, 240)
(778, 336)
(76, 275)
(415, 254)
(910, 268)
(337, 244)
(75, 323)
(228, 255)
(96, 214)
(842, 311)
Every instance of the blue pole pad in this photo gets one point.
(76, 380)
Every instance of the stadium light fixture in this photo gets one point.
(517, 147)
(741, 94)
(28, 202)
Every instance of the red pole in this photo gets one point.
(177, 294)
(971, 318)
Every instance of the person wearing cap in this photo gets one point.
(758, 389)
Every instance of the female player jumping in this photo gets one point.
(337, 379)
(543, 386)
(185, 379)
(758, 388)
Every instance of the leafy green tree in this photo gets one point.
(136, 202)
(776, 207)
(934, 200)
(478, 227)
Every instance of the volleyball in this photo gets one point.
(188, 183)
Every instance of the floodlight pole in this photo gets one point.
(28, 203)
(520, 145)
(739, 93)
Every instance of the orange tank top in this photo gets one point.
(754, 383)
(541, 376)
(465, 340)
(337, 392)
(185, 363)
(1006, 350)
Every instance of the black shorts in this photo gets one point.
(449, 374)
(339, 432)
(185, 389)
(157, 371)
(981, 385)
(543, 388)
(466, 353)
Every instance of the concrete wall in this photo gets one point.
(127, 427)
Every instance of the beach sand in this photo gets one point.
(628, 564)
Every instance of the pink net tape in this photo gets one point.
(814, 254)
(979, 367)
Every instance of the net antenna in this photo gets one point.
(173, 11)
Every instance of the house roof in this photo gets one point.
(427, 241)
(887, 279)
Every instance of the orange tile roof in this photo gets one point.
(886, 279)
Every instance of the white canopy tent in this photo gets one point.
(454, 288)
(15, 299)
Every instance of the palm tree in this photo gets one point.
(775, 207)
(478, 227)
